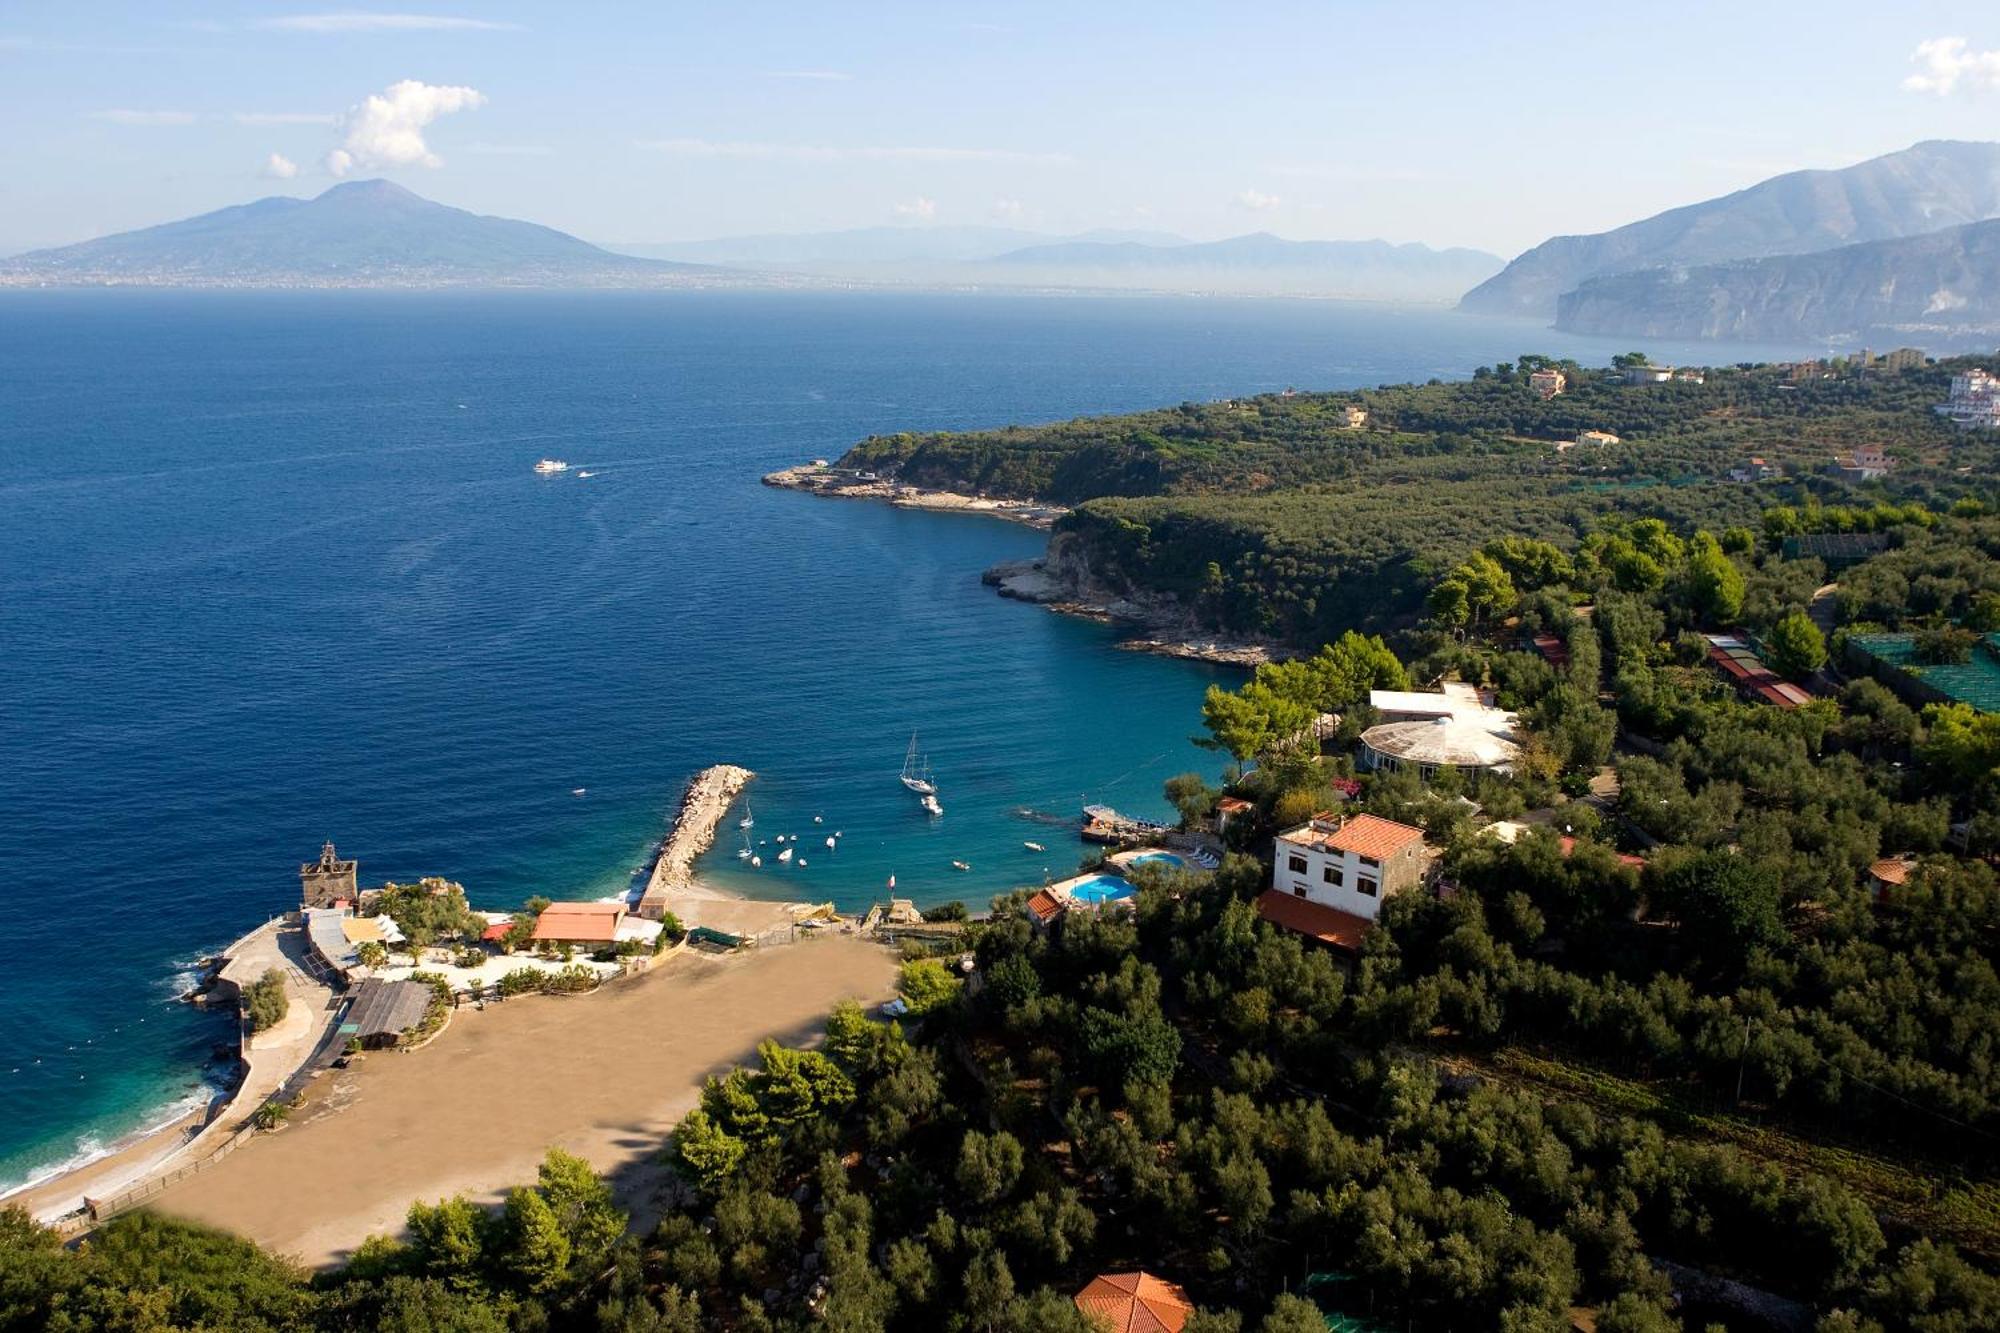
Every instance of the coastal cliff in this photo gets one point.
(1067, 578)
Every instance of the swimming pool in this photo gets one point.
(1167, 859)
(1099, 889)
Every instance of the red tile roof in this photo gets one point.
(1328, 925)
(1636, 862)
(1365, 835)
(496, 930)
(1892, 870)
(1135, 1303)
(1045, 906)
(1234, 805)
(580, 921)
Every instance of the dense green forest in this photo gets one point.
(1267, 517)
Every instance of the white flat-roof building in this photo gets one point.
(1456, 727)
(1974, 403)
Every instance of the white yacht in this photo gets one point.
(917, 775)
(548, 467)
(931, 806)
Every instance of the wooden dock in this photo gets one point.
(709, 796)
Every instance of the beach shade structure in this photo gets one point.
(1135, 1303)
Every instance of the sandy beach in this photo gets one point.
(604, 1075)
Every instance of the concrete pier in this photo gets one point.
(708, 799)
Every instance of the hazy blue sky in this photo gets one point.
(1453, 123)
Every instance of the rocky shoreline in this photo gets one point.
(1160, 625)
(1061, 580)
(821, 478)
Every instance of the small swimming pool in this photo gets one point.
(1099, 889)
(1167, 859)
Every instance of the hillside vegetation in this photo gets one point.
(1269, 517)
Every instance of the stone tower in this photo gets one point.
(328, 880)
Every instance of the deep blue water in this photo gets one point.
(275, 568)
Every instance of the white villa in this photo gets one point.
(1330, 875)
(1974, 403)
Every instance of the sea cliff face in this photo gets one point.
(1939, 286)
(1070, 578)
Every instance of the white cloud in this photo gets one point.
(1257, 201)
(814, 75)
(1006, 210)
(278, 167)
(352, 21)
(387, 130)
(1948, 61)
(829, 153)
(123, 116)
(919, 208)
(285, 118)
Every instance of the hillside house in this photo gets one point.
(1757, 469)
(1596, 439)
(1648, 374)
(1135, 1303)
(1974, 402)
(1330, 875)
(1353, 417)
(1690, 375)
(1548, 383)
(1868, 463)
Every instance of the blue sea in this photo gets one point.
(275, 568)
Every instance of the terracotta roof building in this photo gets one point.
(579, 923)
(1891, 872)
(1135, 1303)
(1302, 916)
(1343, 868)
(1044, 908)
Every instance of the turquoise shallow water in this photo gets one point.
(275, 568)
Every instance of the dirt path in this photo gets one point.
(604, 1075)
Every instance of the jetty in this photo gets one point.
(709, 796)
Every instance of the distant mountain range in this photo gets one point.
(870, 246)
(1943, 286)
(1258, 263)
(358, 234)
(1926, 188)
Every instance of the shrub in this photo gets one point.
(265, 1001)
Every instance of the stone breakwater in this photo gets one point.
(844, 483)
(709, 796)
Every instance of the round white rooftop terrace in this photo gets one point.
(1445, 742)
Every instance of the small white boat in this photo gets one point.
(585, 476)
(960, 865)
(756, 862)
(1034, 846)
(801, 863)
(548, 467)
(892, 882)
(578, 791)
(744, 853)
(829, 844)
(931, 806)
(749, 819)
(818, 820)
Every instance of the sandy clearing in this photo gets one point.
(605, 1076)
